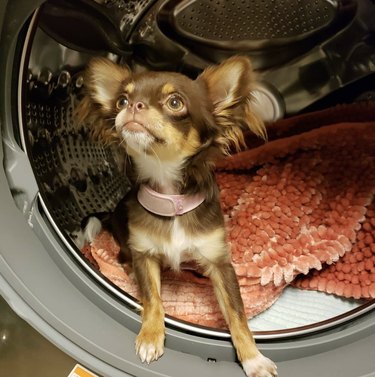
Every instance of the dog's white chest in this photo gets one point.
(184, 247)
(177, 248)
(181, 246)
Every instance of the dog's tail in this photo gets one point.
(91, 226)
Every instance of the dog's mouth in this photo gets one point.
(134, 126)
(137, 133)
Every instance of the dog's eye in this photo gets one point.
(175, 103)
(122, 102)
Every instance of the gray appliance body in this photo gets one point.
(59, 297)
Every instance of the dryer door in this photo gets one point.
(45, 278)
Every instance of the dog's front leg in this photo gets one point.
(150, 340)
(228, 294)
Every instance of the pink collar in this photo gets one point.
(167, 205)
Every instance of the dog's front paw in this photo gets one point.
(149, 345)
(259, 366)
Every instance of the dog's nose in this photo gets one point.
(138, 106)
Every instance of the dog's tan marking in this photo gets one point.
(227, 291)
(212, 246)
(168, 88)
(129, 88)
(185, 146)
(150, 340)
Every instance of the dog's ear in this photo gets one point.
(229, 87)
(103, 80)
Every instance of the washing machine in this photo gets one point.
(309, 55)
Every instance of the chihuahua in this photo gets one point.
(173, 129)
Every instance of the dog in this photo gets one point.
(173, 129)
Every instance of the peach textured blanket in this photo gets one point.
(298, 211)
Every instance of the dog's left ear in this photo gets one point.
(229, 86)
(103, 79)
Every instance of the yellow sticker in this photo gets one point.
(80, 371)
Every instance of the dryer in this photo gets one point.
(52, 176)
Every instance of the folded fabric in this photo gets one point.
(353, 276)
(304, 205)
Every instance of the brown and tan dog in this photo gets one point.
(173, 129)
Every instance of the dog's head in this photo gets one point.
(167, 114)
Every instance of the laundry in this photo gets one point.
(304, 204)
(353, 276)
(185, 295)
(296, 206)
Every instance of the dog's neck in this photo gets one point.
(164, 177)
(160, 186)
(175, 177)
